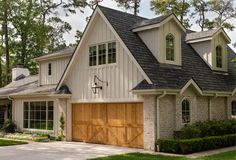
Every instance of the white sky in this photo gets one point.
(78, 20)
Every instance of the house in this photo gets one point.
(129, 82)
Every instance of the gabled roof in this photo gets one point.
(165, 76)
(204, 35)
(156, 22)
(149, 21)
(59, 54)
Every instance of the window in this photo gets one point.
(49, 69)
(170, 55)
(38, 115)
(111, 52)
(233, 105)
(92, 56)
(102, 54)
(185, 111)
(219, 57)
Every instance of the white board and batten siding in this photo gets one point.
(58, 67)
(121, 76)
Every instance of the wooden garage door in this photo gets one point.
(116, 124)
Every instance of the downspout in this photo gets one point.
(158, 113)
(210, 106)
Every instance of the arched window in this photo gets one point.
(219, 56)
(170, 45)
(185, 111)
(233, 108)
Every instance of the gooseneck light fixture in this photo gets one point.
(96, 87)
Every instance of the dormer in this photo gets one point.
(162, 35)
(212, 46)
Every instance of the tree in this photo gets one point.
(5, 13)
(130, 4)
(200, 9)
(78, 36)
(225, 11)
(179, 7)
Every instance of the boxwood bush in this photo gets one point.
(185, 146)
(206, 129)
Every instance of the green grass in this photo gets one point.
(10, 142)
(139, 156)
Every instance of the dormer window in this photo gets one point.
(219, 56)
(49, 69)
(170, 51)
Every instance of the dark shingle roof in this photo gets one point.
(199, 35)
(150, 21)
(165, 76)
(64, 52)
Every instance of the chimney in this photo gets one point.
(19, 72)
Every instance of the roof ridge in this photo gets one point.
(100, 6)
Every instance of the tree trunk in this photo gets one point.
(6, 40)
(135, 7)
(182, 12)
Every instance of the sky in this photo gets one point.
(78, 20)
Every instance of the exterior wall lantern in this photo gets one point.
(96, 87)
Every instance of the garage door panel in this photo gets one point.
(98, 114)
(117, 136)
(116, 116)
(98, 133)
(114, 123)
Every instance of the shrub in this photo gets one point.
(9, 126)
(185, 146)
(206, 129)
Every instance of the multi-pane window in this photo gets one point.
(170, 52)
(185, 111)
(92, 56)
(219, 57)
(102, 54)
(233, 108)
(49, 69)
(38, 115)
(111, 52)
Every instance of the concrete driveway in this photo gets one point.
(60, 151)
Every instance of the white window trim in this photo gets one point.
(190, 111)
(97, 54)
(40, 130)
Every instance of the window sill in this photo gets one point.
(38, 130)
(103, 66)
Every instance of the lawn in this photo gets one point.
(10, 142)
(139, 156)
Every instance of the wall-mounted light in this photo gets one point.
(96, 87)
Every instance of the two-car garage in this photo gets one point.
(108, 123)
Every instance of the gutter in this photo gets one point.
(158, 113)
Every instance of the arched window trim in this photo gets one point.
(219, 56)
(170, 48)
(190, 104)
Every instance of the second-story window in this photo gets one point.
(219, 56)
(112, 52)
(49, 69)
(92, 56)
(102, 54)
(170, 51)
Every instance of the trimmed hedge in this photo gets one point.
(206, 129)
(185, 146)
